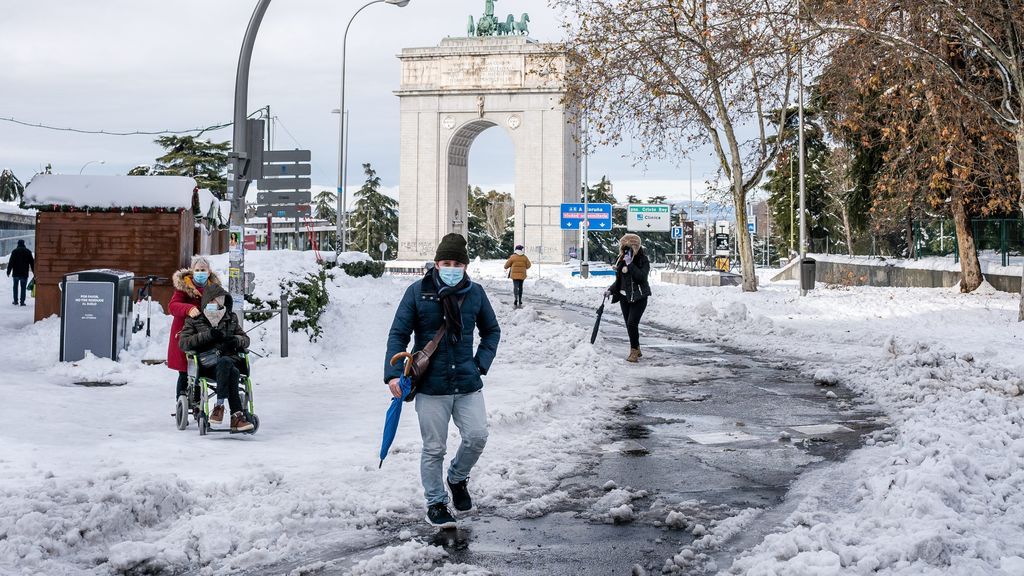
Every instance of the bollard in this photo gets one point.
(284, 326)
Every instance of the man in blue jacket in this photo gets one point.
(450, 390)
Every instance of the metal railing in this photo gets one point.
(266, 315)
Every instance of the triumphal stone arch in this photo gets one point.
(450, 94)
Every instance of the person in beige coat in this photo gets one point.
(517, 265)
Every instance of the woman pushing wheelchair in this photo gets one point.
(216, 328)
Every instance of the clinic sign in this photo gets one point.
(649, 218)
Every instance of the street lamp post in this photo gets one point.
(91, 162)
(342, 121)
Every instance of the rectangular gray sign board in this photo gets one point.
(254, 129)
(284, 183)
(270, 156)
(294, 211)
(270, 170)
(284, 197)
(89, 320)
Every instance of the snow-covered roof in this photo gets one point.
(98, 191)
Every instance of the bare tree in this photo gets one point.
(989, 34)
(676, 74)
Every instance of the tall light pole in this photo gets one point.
(91, 162)
(239, 160)
(803, 195)
(340, 243)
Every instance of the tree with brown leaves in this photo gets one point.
(677, 74)
(977, 46)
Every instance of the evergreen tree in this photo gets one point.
(205, 161)
(325, 206)
(604, 245)
(11, 189)
(374, 218)
(141, 170)
(784, 208)
(491, 223)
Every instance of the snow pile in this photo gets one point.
(104, 482)
(938, 493)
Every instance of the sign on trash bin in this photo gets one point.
(96, 314)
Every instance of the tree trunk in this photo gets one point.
(846, 228)
(742, 237)
(1020, 198)
(970, 267)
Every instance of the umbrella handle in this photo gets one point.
(408, 361)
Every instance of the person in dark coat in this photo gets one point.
(19, 265)
(189, 284)
(217, 327)
(450, 390)
(631, 289)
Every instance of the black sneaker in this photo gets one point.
(439, 516)
(460, 495)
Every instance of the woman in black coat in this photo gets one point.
(217, 327)
(631, 289)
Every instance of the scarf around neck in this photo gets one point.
(450, 297)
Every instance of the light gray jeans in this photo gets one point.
(470, 416)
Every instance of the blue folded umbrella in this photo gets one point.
(395, 411)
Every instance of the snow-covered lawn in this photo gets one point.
(99, 481)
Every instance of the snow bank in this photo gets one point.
(942, 490)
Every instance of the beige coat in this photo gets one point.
(519, 264)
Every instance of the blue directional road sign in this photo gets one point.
(599, 216)
(677, 232)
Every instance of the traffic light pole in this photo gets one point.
(239, 165)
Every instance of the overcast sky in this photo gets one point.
(124, 65)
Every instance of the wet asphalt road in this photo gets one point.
(701, 438)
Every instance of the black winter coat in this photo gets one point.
(454, 368)
(21, 262)
(632, 286)
(196, 337)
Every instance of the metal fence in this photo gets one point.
(1001, 236)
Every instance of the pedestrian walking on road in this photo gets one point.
(189, 284)
(450, 388)
(19, 265)
(517, 265)
(631, 289)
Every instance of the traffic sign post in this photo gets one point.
(677, 232)
(598, 216)
(649, 218)
(284, 211)
(284, 197)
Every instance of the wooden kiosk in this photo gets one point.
(141, 224)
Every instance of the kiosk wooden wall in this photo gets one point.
(142, 243)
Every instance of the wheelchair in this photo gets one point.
(203, 387)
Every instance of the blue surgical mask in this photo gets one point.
(451, 275)
(200, 278)
(211, 307)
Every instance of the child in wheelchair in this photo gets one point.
(217, 339)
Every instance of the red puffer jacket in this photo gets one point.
(186, 297)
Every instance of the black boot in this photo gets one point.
(460, 495)
(439, 516)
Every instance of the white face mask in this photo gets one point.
(214, 313)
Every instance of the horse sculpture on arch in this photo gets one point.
(523, 26)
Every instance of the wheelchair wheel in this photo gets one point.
(181, 412)
(203, 424)
(255, 421)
